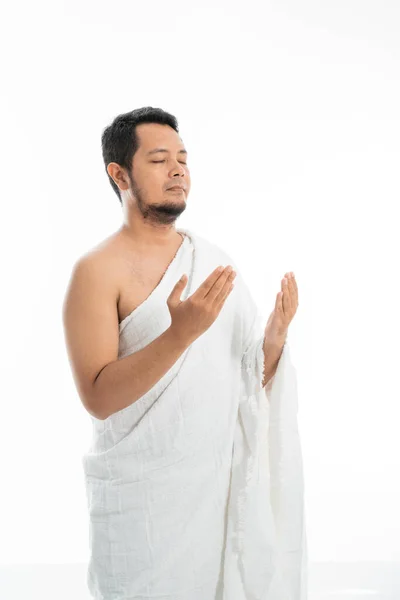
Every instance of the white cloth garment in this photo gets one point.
(195, 490)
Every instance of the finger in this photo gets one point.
(221, 289)
(218, 286)
(224, 293)
(287, 304)
(278, 302)
(177, 290)
(207, 285)
(293, 290)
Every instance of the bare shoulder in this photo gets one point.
(90, 318)
(101, 262)
(105, 250)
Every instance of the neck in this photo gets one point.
(150, 237)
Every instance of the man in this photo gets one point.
(189, 400)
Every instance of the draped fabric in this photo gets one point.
(195, 490)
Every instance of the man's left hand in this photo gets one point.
(287, 301)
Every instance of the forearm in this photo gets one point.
(272, 353)
(124, 381)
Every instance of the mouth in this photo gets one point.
(175, 189)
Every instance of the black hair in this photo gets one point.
(119, 141)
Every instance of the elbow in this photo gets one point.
(95, 404)
(93, 408)
(92, 402)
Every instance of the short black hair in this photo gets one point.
(119, 141)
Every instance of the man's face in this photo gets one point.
(155, 172)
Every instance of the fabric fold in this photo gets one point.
(195, 491)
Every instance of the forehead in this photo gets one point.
(155, 135)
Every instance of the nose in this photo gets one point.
(179, 169)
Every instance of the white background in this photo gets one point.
(290, 114)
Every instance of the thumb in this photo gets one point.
(178, 288)
(278, 303)
(182, 281)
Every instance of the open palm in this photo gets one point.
(287, 301)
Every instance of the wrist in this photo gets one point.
(176, 338)
(276, 341)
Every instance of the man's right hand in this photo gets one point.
(192, 317)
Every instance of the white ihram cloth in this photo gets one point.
(195, 490)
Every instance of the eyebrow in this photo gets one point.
(164, 150)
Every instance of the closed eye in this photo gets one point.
(161, 161)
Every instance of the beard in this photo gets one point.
(160, 213)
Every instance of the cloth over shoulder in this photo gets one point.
(195, 491)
